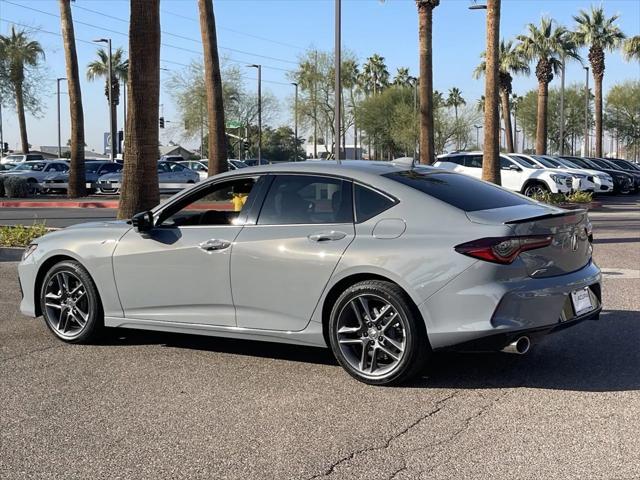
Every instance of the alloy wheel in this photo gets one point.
(535, 191)
(67, 304)
(372, 335)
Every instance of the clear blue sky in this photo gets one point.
(285, 28)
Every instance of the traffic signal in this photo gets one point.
(161, 122)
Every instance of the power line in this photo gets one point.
(168, 45)
(58, 34)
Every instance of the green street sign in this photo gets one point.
(234, 124)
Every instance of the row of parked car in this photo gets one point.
(105, 176)
(534, 175)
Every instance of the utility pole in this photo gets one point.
(295, 123)
(338, 80)
(58, 94)
(259, 67)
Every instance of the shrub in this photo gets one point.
(17, 187)
(550, 198)
(580, 197)
(21, 235)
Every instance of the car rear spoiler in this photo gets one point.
(567, 213)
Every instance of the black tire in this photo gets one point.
(94, 324)
(533, 188)
(417, 350)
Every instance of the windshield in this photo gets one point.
(92, 167)
(32, 166)
(547, 162)
(238, 164)
(16, 158)
(525, 162)
(568, 163)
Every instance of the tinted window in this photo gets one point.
(505, 164)
(525, 162)
(461, 191)
(369, 203)
(35, 157)
(473, 161)
(457, 159)
(298, 199)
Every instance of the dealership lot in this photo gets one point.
(150, 405)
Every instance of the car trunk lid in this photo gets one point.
(570, 230)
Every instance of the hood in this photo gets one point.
(117, 224)
(111, 176)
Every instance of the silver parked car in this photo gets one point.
(170, 173)
(383, 263)
(37, 171)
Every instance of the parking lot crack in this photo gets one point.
(30, 352)
(387, 443)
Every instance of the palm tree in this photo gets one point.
(631, 49)
(491, 147)
(375, 76)
(600, 34)
(350, 74)
(140, 175)
(438, 100)
(119, 68)
(455, 100)
(77, 181)
(545, 44)
(511, 62)
(307, 78)
(403, 79)
(425, 22)
(18, 52)
(213, 84)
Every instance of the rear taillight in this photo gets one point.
(502, 250)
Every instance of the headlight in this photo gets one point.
(29, 250)
(560, 179)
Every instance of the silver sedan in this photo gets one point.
(382, 263)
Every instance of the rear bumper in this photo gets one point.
(480, 303)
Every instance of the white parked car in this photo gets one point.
(21, 157)
(602, 182)
(201, 167)
(517, 175)
(580, 180)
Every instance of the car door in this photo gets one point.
(510, 174)
(281, 264)
(179, 271)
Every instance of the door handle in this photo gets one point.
(327, 236)
(214, 244)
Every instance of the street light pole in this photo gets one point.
(112, 132)
(58, 94)
(586, 113)
(338, 80)
(259, 67)
(295, 123)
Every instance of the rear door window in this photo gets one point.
(473, 161)
(461, 191)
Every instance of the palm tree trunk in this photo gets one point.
(491, 160)
(425, 20)
(213, 83)
(506, 116)
(140, 175)
(22, 122)
(541, 126)
(77, 182)
(598, 110)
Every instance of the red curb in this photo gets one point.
(113, 204)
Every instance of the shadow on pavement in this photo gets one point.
(594, 356)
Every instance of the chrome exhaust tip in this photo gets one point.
(519, 346)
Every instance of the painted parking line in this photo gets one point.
(621, 273)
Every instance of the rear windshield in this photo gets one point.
(460, 191)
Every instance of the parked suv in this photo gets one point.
(22, 157)
(622, 182)
(602, 182)
(519, 175)
(614, 166)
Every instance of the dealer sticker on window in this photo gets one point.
(581, 301)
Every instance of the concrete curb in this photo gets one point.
(11, 254)
(59, 204)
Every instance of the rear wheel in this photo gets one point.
(376, 335)
(70, 303)
(536, 189)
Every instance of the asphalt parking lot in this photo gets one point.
(150, 405)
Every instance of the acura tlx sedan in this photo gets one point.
(383, 263)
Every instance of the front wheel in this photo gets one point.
(376, 335)
(70, 303)
(536, 190)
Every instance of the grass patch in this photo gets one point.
(21, 235)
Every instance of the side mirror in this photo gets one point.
(143, 221)
(514, 167)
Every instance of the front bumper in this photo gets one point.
(486, 301)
